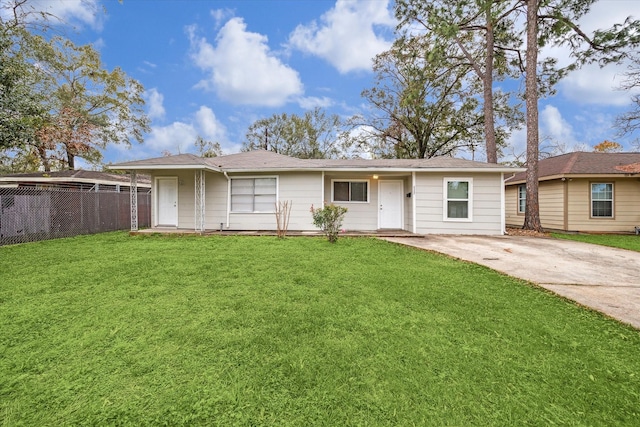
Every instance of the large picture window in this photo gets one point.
(458, 200)
(522, 198)
(253, 194)
(350, 191)
(602, 200)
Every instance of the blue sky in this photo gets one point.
(211, 68)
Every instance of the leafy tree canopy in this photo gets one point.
(58, 101)
(314, 135)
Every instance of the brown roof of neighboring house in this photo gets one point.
(74, 176)
(267, 160)
(585, 163)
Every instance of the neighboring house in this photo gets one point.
(41, 205)
(587, 192)
(74, 179)
(241, 191)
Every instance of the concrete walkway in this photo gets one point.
(603, 278)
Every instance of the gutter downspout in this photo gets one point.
(228, 197)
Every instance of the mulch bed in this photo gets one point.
(528, 233)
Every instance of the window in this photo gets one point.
(522, 198)
(458, 202)
(602, 200)
(253, 194)
(350, 191)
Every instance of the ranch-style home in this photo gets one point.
(582, 192)
(241, 191)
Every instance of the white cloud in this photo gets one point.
(311, 102)
(155, 100)
(592, 84)
(221, 15)
(67, 12)
(175, 138)
(347, 36)
(178, 137)
(210, 128)
(242, 69)
(554, 126)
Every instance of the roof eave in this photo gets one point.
(162, 167)
(68, 179)
(377, 169)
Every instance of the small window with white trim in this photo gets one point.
(522, 198)
(602, 200)
(253, 194)
(351, 191)
(458, 202)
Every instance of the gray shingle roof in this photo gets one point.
(585, 163)
(267, 160)
(257, 159)
(178, 160)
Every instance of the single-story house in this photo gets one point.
(241, 191)
(74, 179)
(582, 192)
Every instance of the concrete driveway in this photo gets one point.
(605, 279)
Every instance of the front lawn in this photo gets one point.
(118, 330)
(623, 241)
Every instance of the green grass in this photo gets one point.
(119, 330)
(623, 241)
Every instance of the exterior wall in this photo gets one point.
(486, 209)
(551, 196)
(360, 216)
(566, 205)
(512, 217)
(626, 206)
(302, 189)
(305, 188)
(363, 216)
(215, 201)
(186, 196)
(408, 205)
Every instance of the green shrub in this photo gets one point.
(329, 220)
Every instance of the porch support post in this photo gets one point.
(133, 194)
(199, 200)
(503, 225)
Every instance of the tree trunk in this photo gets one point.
(71, 163)
(489, 126)
(42, 153)
(532, 213)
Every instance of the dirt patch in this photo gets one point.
(528, 233)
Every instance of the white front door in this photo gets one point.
(167, 201)
(390, 204)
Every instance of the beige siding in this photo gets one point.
(551, 198)
(215, 200)
(487, 205)
(408, 206)
(302, 189)
(186, 196)
(512, 217)
(360, 215)
(551, 201)
(626, 200)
